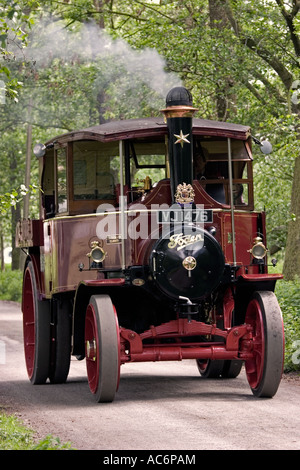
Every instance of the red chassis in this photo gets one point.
(238, 342)
(217, 350)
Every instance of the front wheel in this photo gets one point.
(102, 349)
(265, 368)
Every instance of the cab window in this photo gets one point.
(145, 165)
(61, 176)
(211, 169)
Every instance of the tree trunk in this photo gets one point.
(28, 163)
(15, 254)
(101, 106)
(291, 267)
(2, 266)
(219, 21)
(98, 4)
(101, 95)
(15, 215)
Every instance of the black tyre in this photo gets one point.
(102, 348)
(264, 369)
(61, 343)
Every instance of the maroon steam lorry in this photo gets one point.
(148, 248)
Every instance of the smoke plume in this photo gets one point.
(123, 67)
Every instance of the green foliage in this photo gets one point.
(11, 285)
(288, 295)
(275, 171)
(51, 443)
(15, 436)
(10, 199)
(14, 15)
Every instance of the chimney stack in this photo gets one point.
(178, 113)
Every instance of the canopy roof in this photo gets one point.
(151, 127)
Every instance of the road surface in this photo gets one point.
(159, 406)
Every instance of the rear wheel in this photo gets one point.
(228, 369)
(102, 349)
(61, 343)
(210, 369)
(232, 368)
(264, 369)
(36, 329)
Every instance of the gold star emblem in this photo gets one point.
(181, 138)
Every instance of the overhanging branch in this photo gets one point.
(256, 47)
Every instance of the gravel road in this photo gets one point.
(159, 406)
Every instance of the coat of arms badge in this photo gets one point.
(184, 193)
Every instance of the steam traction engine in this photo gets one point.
(148, 248)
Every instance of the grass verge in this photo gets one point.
(15, 436)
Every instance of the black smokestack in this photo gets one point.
(179, 113)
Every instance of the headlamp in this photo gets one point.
(97, 253)
(258, 250)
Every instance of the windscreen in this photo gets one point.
(211, 169)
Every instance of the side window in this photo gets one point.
(61, 175)
(95, 170)
(48, 186)
(147, 166)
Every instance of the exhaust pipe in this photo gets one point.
(178, 114)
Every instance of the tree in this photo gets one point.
(240, 59)
(283, 59)
(14, 16)
(243, 52)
